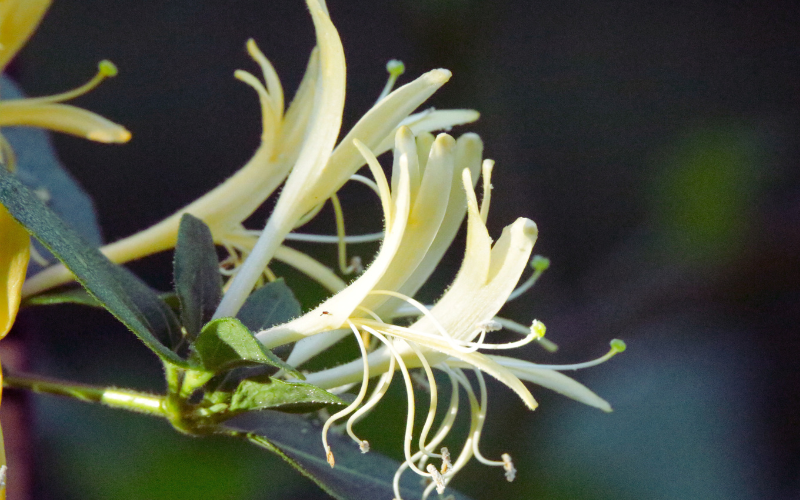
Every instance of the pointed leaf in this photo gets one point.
(124, 295)
(226, 343)
(270, 305)
(271, 393)
(356, 476)
(197, 279)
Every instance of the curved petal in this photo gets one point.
(332, 314)
(14, 254)
(62, 118)
(552, 380)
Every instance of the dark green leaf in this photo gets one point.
(67, 296)
(226, 343)
(270, 393)
(124, 295)
(197, 279)
(270, 305)
(356, 475)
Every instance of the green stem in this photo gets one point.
(113, 397)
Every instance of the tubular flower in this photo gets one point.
(297, 146)
(449, 335)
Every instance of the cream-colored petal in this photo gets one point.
(295, 121)
(379, 123)
(296, 198)
(423, 223)
(18, 20)
(469, 150)
(431, 121)
(552, 380)
(468, 303)
(62, 118)
(333, 313)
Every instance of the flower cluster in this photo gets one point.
(424, 202)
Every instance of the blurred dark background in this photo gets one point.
(654, 143)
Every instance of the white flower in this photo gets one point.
(451, 334)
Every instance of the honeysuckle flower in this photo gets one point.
(450, 335)
(300, 141)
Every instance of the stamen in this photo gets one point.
(424, 310)
(539, 265)
(410, 395)
(434, 399)
(437, 478)
(617, 346)
(324, 238)
(547, 344)
(352, 406)
(340, 234)
(366, 181)
(446, 463)
(481, 417)
(395, 68)
(105, 69)
(508, 465)
(383, 385)
(486, 168)
(304, 219)
(465, 346)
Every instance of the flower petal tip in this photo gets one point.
(439, 76)
(119, 135)
(529, 228)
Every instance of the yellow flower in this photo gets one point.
(297, 146)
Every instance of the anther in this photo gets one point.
(490, 326)
(540, 263)
(508, 465)
(618, 345)
(364, 446)
(538, 329)
(446, 463)
(107, 68)
(437, 478)
(395, 68)
(329, 456)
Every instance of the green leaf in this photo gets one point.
(270, 305)
(197, 279)
(356, 476)
(67, 296)
(226, 343)
(271, 393)
(124, 295)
